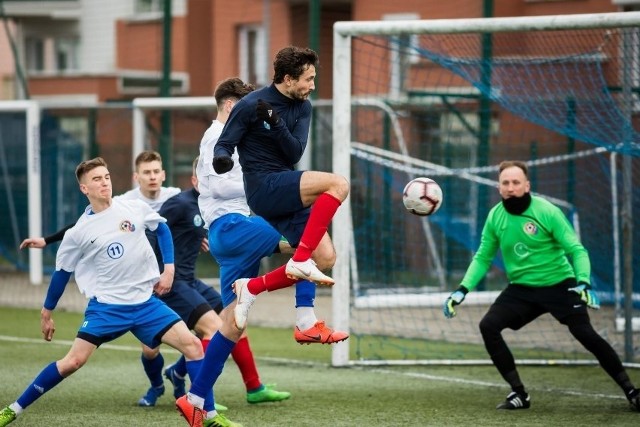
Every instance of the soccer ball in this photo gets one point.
(422, 196)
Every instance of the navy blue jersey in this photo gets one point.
(187, 229)
(264, 149)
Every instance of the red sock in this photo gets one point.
(243, 357)
(322, 211)
(272, 281)
(205, 344)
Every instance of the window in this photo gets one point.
(252, 55)
(34, 55)
(147, 6)
(66, 54)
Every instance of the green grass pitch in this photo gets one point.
(105, 391)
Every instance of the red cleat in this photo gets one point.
(193, 415)
(320, 334)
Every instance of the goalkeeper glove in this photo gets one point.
(222, 164)
(265, 112)
(454, 299)
(587, 295)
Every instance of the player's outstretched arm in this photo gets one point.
(41, 242)
(33, 242)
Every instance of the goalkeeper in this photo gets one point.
(535, 240)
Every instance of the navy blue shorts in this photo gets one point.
(147, 321)
(191, 299)
(276, 198)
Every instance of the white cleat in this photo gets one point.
(244, 301)
(307, 270)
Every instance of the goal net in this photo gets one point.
(449, 100)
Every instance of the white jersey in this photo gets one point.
(165, 194)
(110, 254)
(219, 194)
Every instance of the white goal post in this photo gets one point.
(343, 101)
(31, 109)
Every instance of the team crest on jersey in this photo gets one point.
(530, 228)
(127, 225)
(197, 220)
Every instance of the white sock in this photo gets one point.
(211, 414)
(305, 318)
(196, 401)
(15, 407)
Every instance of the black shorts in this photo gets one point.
(192, 299)
(526, 303)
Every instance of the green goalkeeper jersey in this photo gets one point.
(535, 247)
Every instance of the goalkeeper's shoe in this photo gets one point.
(319, 333)
(245, 300)
(7, 416)
(151, 397)
(220, 421)
(307, 270)
(267, 394)
(634, 399)
(193, 414)
(177, 382)
(515, 401)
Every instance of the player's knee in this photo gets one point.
(340, 188)
(489, 325)
(192, 349)
(150, 353)
(70, 364)
(324, 259)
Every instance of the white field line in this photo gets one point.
(283, 361)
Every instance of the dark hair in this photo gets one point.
(233, 88)
(148, 156)
(293, 61)
(84, 167)
(510, 163)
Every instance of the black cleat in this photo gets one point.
(515, 401)
(634, 399)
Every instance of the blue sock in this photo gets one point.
(194, 367)
(153, 369)
(217, 353)
(180, 367)
(47, 379)
(305, 293)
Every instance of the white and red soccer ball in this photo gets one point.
(422, 196)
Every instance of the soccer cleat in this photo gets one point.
(219, 408)
(220, 421)
(245, 300)
(267, 394)
(634, 399)
(319, 333)
(151, 397)
(307, 270)
(177, 382)
(515, 401)
(193, 415)
(7, 416)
